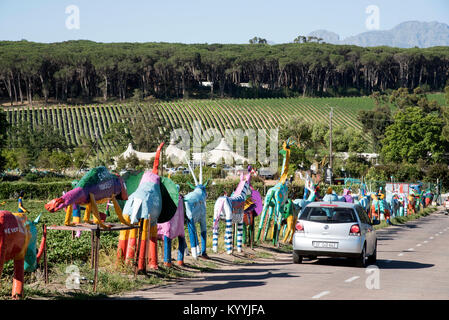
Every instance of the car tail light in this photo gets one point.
(299, 227)
(355, 230)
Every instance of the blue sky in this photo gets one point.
(204, 21)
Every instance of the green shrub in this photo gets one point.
(10, 190)
(31, 177)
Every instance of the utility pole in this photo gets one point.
(329, 170)
(96, 139)
(330, 138)
(96, 148)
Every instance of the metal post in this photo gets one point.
(97, 248)
(44, 227)
(136, 260)
(234, 226)
(92, 248)
(252, 230)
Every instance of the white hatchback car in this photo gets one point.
(335, 229)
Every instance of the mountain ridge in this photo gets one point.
(407, 34)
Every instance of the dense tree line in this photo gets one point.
(416, 130)
(413, 139)
(3, 136)
(84, 70)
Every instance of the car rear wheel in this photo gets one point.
(296, 257)
(361, 260)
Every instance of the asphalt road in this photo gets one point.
(413, 263)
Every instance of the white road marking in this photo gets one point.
(425, 241)
(431, 238)
(410, 249)
(352, 279)
(322, 294)
(400, 255)
(419, 245)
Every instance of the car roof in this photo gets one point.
(337, 203)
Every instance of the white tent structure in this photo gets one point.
(142, 156)
(220, 153)
(177, 156)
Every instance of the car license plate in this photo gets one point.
(322, 244)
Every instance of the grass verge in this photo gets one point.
(402, 220)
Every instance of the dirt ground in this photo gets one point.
(201, 267)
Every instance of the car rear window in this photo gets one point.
(328, 215)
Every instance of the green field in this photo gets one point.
(75, 121)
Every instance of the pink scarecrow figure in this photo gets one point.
(171, 229)
(347, 195)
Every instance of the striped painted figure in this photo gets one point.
(231, 209)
